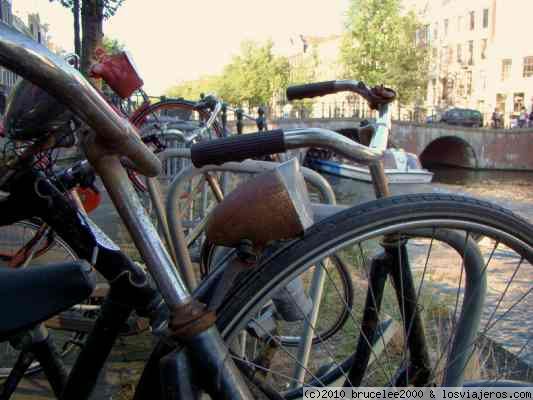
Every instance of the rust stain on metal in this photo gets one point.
(259, 211)
(187, 320)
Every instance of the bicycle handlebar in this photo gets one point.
(376, 96)
(38, 65)
(239, 148)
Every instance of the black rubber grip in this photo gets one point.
(237, 148)
(311, 90)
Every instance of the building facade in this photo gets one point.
(322, 54)
(480, 54)
(7, 78)
(34, 29)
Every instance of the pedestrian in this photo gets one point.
(496, 119)
(523, 118)
(531, 118)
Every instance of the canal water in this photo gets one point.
(507, 188)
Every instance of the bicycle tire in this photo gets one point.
(393, 214)
(342, 317)
(13, 237)
(164, 106)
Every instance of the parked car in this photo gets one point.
(463, 117)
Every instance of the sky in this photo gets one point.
(173, 40)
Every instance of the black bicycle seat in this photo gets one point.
(34, 294)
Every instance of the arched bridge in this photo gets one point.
(442, 144)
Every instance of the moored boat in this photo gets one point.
(400, 167)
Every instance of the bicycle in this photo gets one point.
(190, 321)
(152, 120)
(461, 246)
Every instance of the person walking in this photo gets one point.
(496, 119)
(523, 118)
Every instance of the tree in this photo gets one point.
(74, 6)
(93, 13)
(254, 75)
(191, 90)
(112, 46)
(251, 78)
(379, 47)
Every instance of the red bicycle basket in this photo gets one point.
(119, 72)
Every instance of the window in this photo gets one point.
(459, 55)
(506, 68)
(459, 23)
(501, 100)
(436, 31)
(472, 20)
(483, 79)
(528, 67)
(446, 23)
(471, 52)
(518, 102)
(469, 83)
(450, 55)
(486, 18)
(483, 49)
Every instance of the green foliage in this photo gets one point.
(112, 46)
(251, 78)
(379, 47)
(191, 90)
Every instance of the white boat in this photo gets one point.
(400, 167)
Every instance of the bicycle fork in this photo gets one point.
(393, 262)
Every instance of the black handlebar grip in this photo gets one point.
(311, 90)
(237, 148)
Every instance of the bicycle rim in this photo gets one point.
(394, 348)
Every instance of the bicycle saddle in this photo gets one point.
(32, 295)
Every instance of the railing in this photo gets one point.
(341, 110)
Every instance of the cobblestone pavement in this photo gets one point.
(117, 381)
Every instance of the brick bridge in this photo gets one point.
(465, 147)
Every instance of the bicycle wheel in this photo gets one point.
(162, 117)
(431, 306)
(53, 249)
